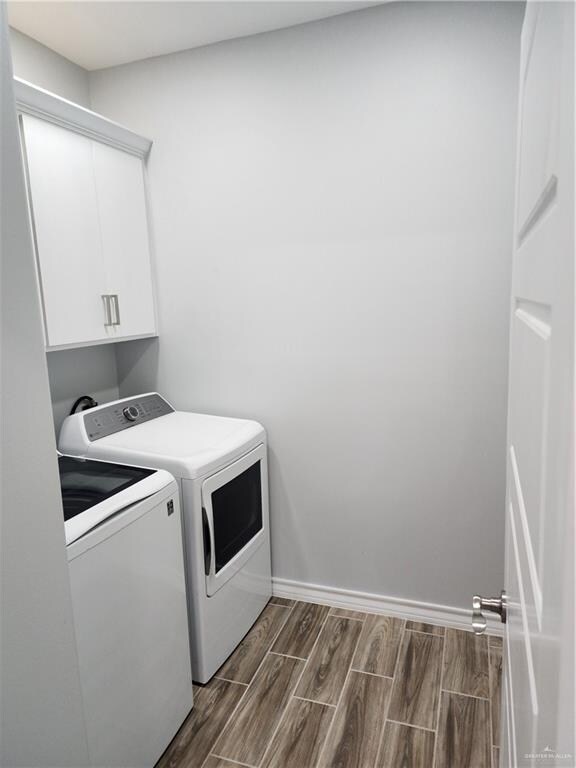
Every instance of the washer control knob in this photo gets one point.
(131, 413)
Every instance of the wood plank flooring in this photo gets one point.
(317, 687)
(463, 731)
(466, 663)
(354, 738)
(244, 662)
(379, 644)
(299, 634)
(417, 685)
(495, 658)
(420, 626)
(300, 738)
(404, 747)
(326, 670)
(247, 734)
(213, 705)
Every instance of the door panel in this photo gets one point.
(542, 60)
(125, 238)
(539, 654)
(63, 199)
(531, 337)
(519, 663)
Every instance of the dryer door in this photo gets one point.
(234, 517)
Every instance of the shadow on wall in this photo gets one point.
(137, 363)
(284, 525)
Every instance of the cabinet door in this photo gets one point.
(65, 217)
(125, 238)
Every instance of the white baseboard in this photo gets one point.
(431, 613)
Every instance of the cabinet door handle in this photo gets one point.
(107, 310)
(116, 307)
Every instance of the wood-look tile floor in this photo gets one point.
(317, 687)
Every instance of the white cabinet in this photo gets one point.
(88, 209)
(124, 232)
(66, 230)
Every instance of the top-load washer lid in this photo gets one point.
(85, 483)
(145, 430)
(93, 491)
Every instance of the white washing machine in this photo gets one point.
(221, 468)
(127, 578)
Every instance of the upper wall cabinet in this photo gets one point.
(87, 197)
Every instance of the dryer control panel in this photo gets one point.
(108, 419)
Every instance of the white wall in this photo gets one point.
(332, 207)
(73, 372)
(40, 65)
(42, 720)
(76, 372)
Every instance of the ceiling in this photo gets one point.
(101, 33)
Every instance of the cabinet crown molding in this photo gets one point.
(41, 103)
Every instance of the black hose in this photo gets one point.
(89, 403)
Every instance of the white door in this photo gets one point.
(538, 682)
(67, 232)
(125, 242)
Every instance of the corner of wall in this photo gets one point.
(40, 65)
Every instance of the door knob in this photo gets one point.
(492, 604)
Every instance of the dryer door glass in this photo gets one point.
(237, 514)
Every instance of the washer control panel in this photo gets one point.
(101, 422)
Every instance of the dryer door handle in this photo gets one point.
(207, 537)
